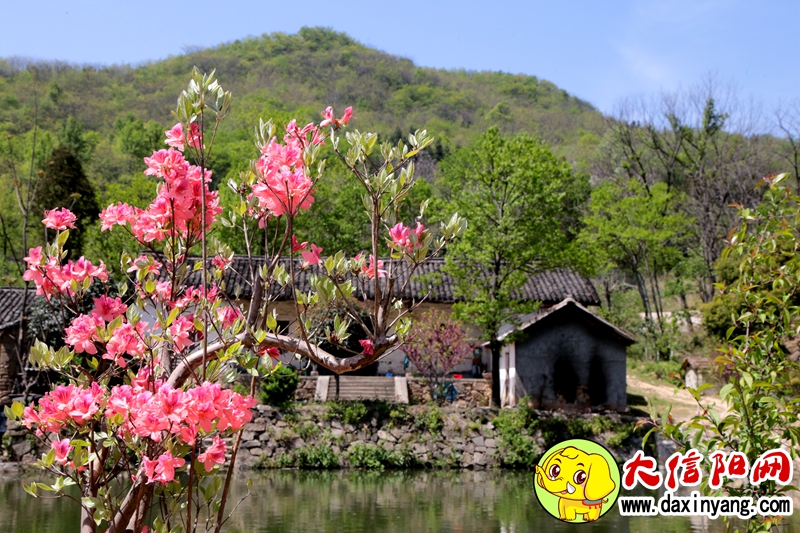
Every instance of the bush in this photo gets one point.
(374, 457)
(515, 429)
(347, 412)
(318, 456)
(429, 419)
(278, 388)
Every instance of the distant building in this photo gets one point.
(11, 301)
(429, 283)
(567, 357)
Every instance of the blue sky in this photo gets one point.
(599, 50)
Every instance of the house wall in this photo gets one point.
(286, 312)
(565, 349)
(9, 366)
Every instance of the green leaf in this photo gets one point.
(17, 409)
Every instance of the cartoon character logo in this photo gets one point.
(577, 481)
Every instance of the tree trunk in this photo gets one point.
(496, 347)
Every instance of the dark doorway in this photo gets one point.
(565, 380)
(597, 382)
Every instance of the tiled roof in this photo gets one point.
(428, 282)
(525, 321)
(11, 305)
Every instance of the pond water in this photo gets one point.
(366, 501)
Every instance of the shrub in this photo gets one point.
(318, 456)
(347, 412)
(278, 387)
(429, 419)
(374, 457)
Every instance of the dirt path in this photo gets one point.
(660, 395)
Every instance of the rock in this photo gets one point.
(388, 446)
(248, 435)
(298, 443)
(252, 444)
(336, 424)
(479, 459)
(466, 460)
(21, 448)
(480, 449)
(264, 437)
(383, 435)
(447, 451)
(478, 441)
(470, 448)
(256, 452)
(257, 427)
(336, 433)
(490, 443)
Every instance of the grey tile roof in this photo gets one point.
(525, 321)
(428, 281)
(11, 305)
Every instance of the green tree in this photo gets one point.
(64, 184)
(760, 403)
(638, 230)
(522, 204)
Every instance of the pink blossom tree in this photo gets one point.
(436, 345)
(146, 426)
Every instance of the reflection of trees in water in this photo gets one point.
(21, 513)
(351, 501)
(397, 501)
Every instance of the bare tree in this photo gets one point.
(705, 142)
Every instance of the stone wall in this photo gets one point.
(317, 436)
(471, 392)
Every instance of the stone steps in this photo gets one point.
(353, 388)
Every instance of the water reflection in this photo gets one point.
(356, 502)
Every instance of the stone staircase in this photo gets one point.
(352, 388)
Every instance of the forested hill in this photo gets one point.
(298, 75)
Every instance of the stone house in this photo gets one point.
(565, 356)
(11, 302)
(429, 283)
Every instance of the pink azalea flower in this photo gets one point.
(59, 219)
(189, 434)
(227, 315)
(108, 308)
(329, 118)
(296, 247)
(371, 270)
(312, 257)
(165, 469)
(180, 330)
(82, 333)
(271, 351)
(215, 454)
(366, 346)
(221, 262)
(116, 215)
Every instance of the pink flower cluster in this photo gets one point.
(176, 139)
(50, 277)
(62, 405)
(401, 237)
(59, 219)
(283, 186)
(177, 206)
(145, 409)
(85, 332)
(336, 123)
(371, 271)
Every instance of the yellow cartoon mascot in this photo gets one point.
(581, 481)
